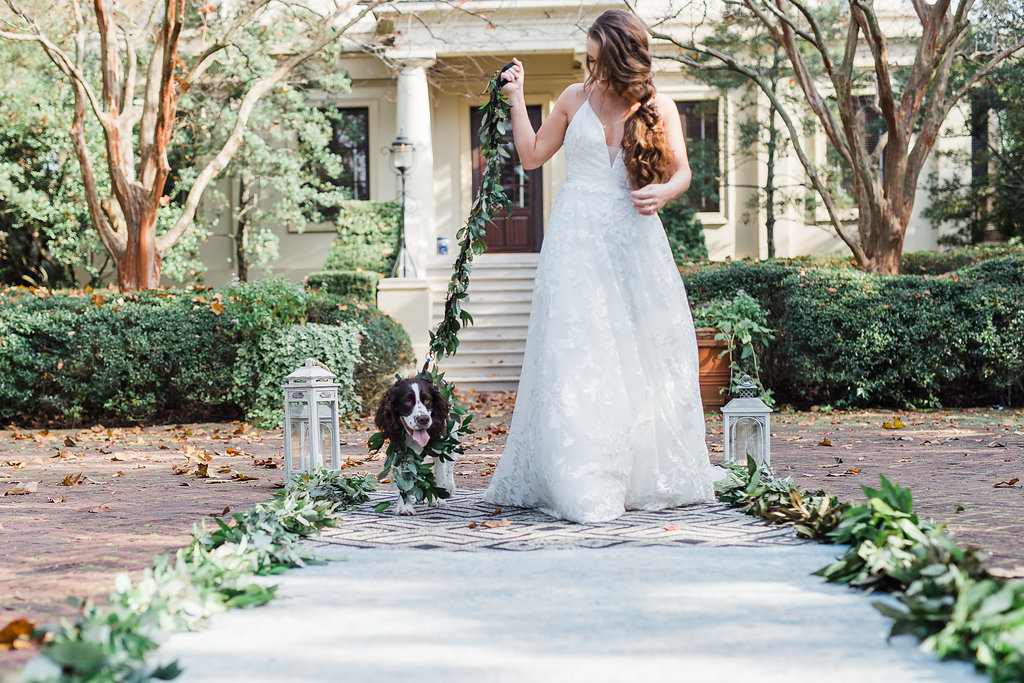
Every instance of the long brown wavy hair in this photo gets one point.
(624, 62)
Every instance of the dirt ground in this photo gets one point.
(109, 500)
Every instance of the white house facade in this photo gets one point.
(427, 85)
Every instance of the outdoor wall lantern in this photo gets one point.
(401, 153)
(745, 427)
(310, 403)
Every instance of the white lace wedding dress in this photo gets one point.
(608, 415)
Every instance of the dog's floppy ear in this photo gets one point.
(439, 408)
(386, 419)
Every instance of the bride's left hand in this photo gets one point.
(649, 199)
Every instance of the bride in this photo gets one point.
(608, 414)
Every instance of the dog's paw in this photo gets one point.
(439, 503)
(404, 509)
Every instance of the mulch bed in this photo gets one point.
(110, 500)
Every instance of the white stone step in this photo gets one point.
(490, 352)
(490, 333)
(472, 356)
(481, 385)
(481, 310)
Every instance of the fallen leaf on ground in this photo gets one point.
(997, 444)
(242, 477)
(349, 462)
(472, 525)
(269, 463)
(223, 512)
(181, 469)
(57, 500)
(201, 470)
(119, 474)
(72, 480)
(825, 442)
(491, 524)
(671, 528)
(16, 464)
(1006, 484)
(895, 424)
(17, 635)
(69, 441)
(23, 489)
(98, 508)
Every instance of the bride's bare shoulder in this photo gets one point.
(571, 99)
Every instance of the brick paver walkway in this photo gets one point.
(129, 505)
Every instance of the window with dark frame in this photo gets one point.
(872, 126)
(700, 128)
(350, 140)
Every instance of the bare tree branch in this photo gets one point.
(204, 60)
(326, 35)
(812, 173)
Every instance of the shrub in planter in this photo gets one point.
(743, 325)
(367, 236)
(346, 284)
(261, 368)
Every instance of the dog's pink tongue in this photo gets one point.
(421, 437)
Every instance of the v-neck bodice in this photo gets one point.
(588, 157)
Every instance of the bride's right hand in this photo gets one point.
(514, 78)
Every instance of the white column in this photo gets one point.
(413, 118)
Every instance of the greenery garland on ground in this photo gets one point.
(403, 465)
(215, 572)
(950, 602)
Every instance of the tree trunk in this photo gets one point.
(139, 265)
(241, 229)
(773, 144)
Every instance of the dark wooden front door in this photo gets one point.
(523, 229)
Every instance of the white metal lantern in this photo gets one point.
(745, 427)
(310, 391)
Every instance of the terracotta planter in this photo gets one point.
(714, 371)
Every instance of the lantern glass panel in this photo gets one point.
(298, 443)
(747, 441)
(326, 439)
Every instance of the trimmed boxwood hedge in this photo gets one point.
(854, 339)
(358, 284)
(367, 236)
(73, 356)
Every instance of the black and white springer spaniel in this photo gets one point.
(413, 412)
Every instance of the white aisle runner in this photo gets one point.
(721, 598)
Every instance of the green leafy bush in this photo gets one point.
(172, 354)
(858, 339)
(939, 262)
(684, 230)
(358, 284)
(384, 347)
(263, 367)
(367, 236)
(129, 356)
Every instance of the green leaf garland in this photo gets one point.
(406, 468)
